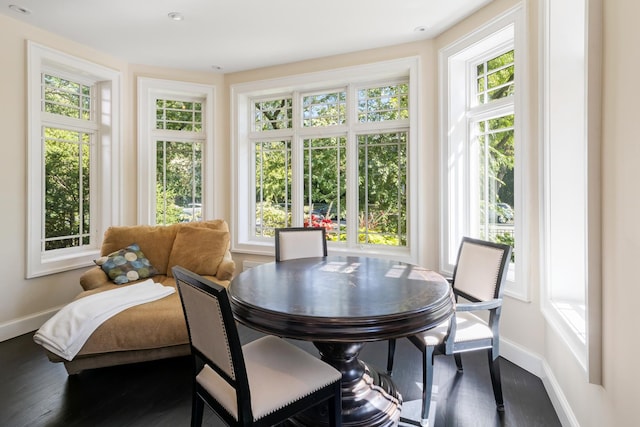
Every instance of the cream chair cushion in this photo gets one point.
(271, 362)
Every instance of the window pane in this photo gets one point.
(383, 103)
(272, 161)
(275, 114)
(325, 186)
(496, 180)
(178, 115)
(178, 182)
(66, 98)
(498, 81)
(324, 109)
(67, 187)
(382, 181)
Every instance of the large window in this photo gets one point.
(73, 136)
(484, 171)
(334, 156)
(175, 151)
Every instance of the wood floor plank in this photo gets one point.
(35, 392)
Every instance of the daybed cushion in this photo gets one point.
(204, 257)
(157, 324)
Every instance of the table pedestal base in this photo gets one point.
(369, 399)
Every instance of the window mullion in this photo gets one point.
(352, 169)
(297, 167)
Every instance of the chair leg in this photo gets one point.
(335, 407)
(427, 384)
(458, 358)
(494, 369)
(197, 410)
(391, 352)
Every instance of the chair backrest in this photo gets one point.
(212, 332)
(299, 242)
(481, 269)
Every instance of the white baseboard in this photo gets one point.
(536, 365)
(25, 324)
(522, 357)
(558, 399)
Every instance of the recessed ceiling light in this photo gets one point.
(420, 29)
(19, 9)
(176, 16)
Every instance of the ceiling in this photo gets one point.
(234, 35)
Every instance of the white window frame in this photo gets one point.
(456, 82)
(571, 265)
(105, 185)
(149, 89)
(352, 78)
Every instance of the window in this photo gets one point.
(176, 147)
(484, 173)
(73, 141)
(336, 156)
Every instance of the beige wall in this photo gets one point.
(25, 303)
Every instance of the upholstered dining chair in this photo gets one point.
(261, 383)
(300, 242)
(478, 278)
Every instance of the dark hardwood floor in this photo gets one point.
(36, 392)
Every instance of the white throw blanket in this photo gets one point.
(67, 331)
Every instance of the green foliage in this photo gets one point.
(67, 162)
(373, 238)
(507, 239)
(67, 184)
(270, 217)
(498, 81)
(66, 98)
(325, 183)
(273, 171)
(167, 212)
(383, 103)
(178, 180)
(382, 180)
(324, 109)
(274, 114)
(382, 173)
(496, 140)
(178, 115)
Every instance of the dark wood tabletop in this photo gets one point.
(341, 298)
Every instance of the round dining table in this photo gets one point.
(339, 303)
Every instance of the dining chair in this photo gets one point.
(478, 278)
(261, 383)
(300, 242)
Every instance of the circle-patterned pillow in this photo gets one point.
(126, 265)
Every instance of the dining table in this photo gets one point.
(339, 303)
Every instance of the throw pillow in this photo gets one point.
(199, 250)
(126, 265)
